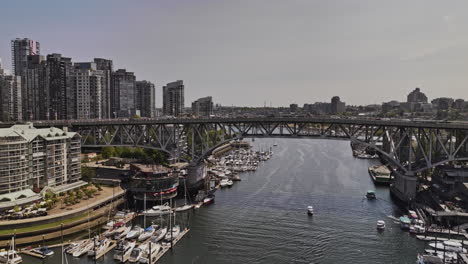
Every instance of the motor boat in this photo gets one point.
(123, 233)
(224, 183)
(172, 234)
(405, 223)
(99, 248)
(417, 229)
(147, 233)
(184, 208)
(230, 183)
(135, 232)
(380, 225)
(159, 234)
(208, 200)
(310, 210)
(137, 253)
(451, 246)
(44, 251)
(123, 250)
(10, 256)
(370, 195)
(84, 248)
(75, 246)
(155, 247)
(158, 210)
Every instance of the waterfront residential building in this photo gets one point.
(32, 159)
(10, 98)
(88, 87)
(173, 98)
(158, 182)
(35, 89)
(146, 98)
(337, 106)
(123, 94)
(106, 67)
(203, 107)
(20, 50)
(62, 93)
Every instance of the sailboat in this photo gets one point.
(10, 256)
(186, 206)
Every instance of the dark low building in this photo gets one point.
(449, 177)
(158, 182)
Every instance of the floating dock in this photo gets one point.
(167, 248)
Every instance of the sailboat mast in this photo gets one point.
(144, 215)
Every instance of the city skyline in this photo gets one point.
(312, 50)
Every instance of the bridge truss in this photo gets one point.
(412, 146)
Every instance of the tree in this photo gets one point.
(108, 152)
(87, 173)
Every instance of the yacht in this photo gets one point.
(122, 233)
(100, 247)
(184, 208)
(10, 256)
(159, 234)
(224, 183)
(44, 251)
(83, 249)
(158, 210)
(380, 225)
(230, 183)
(209, 200)
(123, 250)
(405, 223)
(147, 233)
(172, 234)
(137, 253)
(135, 232)
(155, 247)
(310, 210)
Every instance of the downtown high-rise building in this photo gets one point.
(106, 67)
(10, 98)
(173, 98)
(35, 89)
(88, 87)
(203, 107)
(146, 98)
(62, 92)
(20, 50)
(123, 94)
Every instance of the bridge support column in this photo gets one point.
(404, 187)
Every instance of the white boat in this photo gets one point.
(380, 225)
(310, 210)
(75, 246)
(10, 256)
(123, 250)
(159, 234)
(99, 248)
(175, 233)
(448, 245)
(147, 233)
(230, 183)
(114, 231)
(224, 183)
(155, 248)
(83, 249)
(123, 233)
(109, 225)
(136, 254)
(184, 208)
(208, 200)
(158, 210)
(417, 229)
(135, 232)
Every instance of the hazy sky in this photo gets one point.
(252, 51)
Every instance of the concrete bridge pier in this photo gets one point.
(403, 187)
